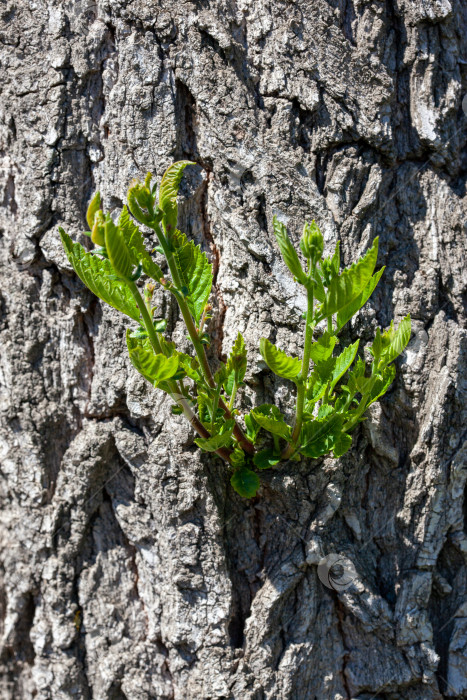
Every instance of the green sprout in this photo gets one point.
(333, 389)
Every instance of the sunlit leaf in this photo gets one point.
(168, 192)
(195, 272)
(278, 361)
(96, 274)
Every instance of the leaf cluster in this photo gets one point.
(334, 386)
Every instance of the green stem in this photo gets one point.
(292, 446)
(174, 389)
(195, 339)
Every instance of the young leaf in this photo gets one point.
(318, 437)
(252, 427)
(215, 442)
(237, 360)
(322, 349)
(95, 273)
(168, 192)
(346, 313)
(342, 445)
(277, 360)
(393, 341)
(344, 288)
(270, 418)
(288, 252)
(265, 459)
(135, 244)
(154, 367)
(245, 482)
(195, 272)
(93, 208)
(117, 250)
(343, 362)
(382, 383)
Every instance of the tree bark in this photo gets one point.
(129, 567)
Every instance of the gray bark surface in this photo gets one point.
(129, 567)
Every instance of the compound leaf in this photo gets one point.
(96, 274)
(278, 361)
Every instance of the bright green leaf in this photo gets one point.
(168, 193)
(95, 273)
(278, 361)
(117, 250)
(270, 418)
(343, 289)
(215, 442)
(346, 313)
(195, 273)
(135, 244)
(343, 362)
(288, 252)
(154, 367)
(322, 349)
(318, 437)
(237, 360)
(395, 340)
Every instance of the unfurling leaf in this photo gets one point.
(93, 208)
(135, 244)
(96, 274)
(154, 367)
(195, 272)
(236, 365)
(168, 193)
(279, 362)
(288, 252)
(245, 482)
(271, 419)
(214, 443)
(343, 289)
(117, 250)
(346, 313)
(389, 345)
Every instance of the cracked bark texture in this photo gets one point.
(129, 568)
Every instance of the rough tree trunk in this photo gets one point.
(129, 567)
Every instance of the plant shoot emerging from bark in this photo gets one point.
(334, 389)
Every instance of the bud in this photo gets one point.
(93, 208)
(311, 242)
(98, 230)
(141, 200)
